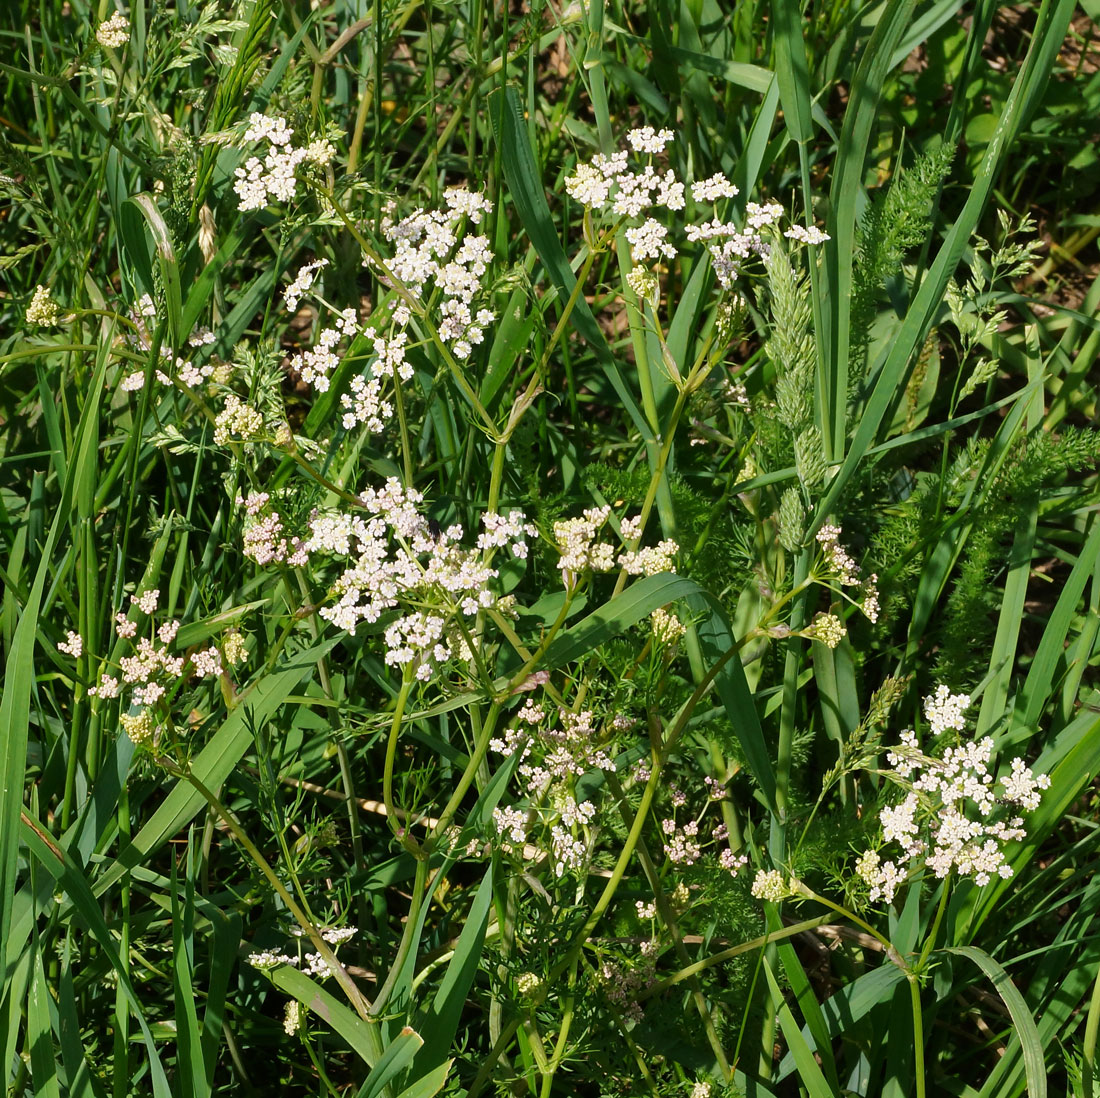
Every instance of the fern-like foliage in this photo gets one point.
(892, 226)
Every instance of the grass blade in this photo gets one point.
(1022, 1020)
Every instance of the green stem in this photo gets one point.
(420, 884)
(401, 830)
(924, 953)
(342, 978)
(1088, 1046)
(481, 749)
(918, 1034)
(728, 954)
(406, 449)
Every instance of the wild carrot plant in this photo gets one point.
(545, 550)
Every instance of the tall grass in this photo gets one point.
(567, 932)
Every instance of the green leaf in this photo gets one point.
(525, 185)
(216, 761)
(430, 1084)
(809, 1073)
(626, 609)
(1053, 18)
(70, 877)
(392, 1062)
(329, 1009)
(40, 1034)
(144, 238)
(441, 1022)
(1022, 1021)
(19, 669)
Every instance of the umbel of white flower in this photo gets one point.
(944, 821)
(621, 187)
(114, 33)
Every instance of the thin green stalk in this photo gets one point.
(560, 1045)
(728, 954)
(420, 884)
(481, 749)
(402, 831)
(918, 1034)
(403, 425)
(940, 910)
(233, 824)
(1088, 1045)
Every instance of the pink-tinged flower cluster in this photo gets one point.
(944, 821)
(622, 980)
(151, 671)
(397, 559)
(264, 540)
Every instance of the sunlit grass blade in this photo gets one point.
(1051, 26)
(440, 1022)
(1022, 1020)
(44, 1068)
(69, 877)
(848, 174)
(809, 1072)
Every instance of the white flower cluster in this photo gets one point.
(681, 842)
(731, 862)
(42, 312)
(567, 850)
(313, 964)
(772, 885)
(645, 139)
(511, 821)
(648, 562)
(143, 316)
(847, 571)
(807, 234)
(114, 33)
(713, 189)
(429, 247)
(649, 241)
(274, 179)
(944, 710)
(301, 284)
(944, 819)
(667, 628)
(576, 540)
(237, 421)
(316, 363)
(397, 557)
(592, 184)
(73, 645)
(826, 628)
(630, 190)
